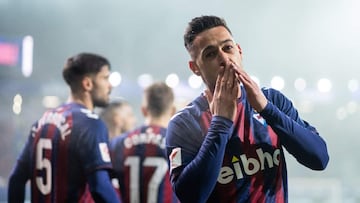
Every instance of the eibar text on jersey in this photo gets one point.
(250, 165)
(56, 119)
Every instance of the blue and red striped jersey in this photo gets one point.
(214, 159)
(141, 165)
(64, 146)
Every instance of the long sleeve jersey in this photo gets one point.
(213, 159)
(140, 165)
(65, 148)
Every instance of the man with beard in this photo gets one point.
(67, 147)
(228, 144)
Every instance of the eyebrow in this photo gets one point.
(221, 43)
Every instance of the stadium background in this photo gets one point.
(309, 49)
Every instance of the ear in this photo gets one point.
(87, 83)
(173, 110)
(144, 111)
(194, 68)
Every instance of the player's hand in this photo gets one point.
(254, 95)
(223, 102)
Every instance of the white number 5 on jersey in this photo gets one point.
(42, 163)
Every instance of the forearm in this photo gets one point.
(16, 187)
(204, 169)
(101, 187)
(303, 142)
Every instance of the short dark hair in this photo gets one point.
(159, 98)
(81, 65)
(200, 24)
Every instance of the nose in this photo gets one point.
(110, 86)
(223, 58)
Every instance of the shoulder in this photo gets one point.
(186, 125)
(86, 122)
(271, 93)
(191, 111)
(85, 113)
(117, 141)
(86, 116)
(276, 97)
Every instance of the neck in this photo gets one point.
(81, 99)
(113, 132)
(159, 121)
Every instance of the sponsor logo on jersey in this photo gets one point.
(175, 158)
(248, 165)
(104, 151)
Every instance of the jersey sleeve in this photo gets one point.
(92, 146)
(298, 137)
(100, 187)
(193, 168)
(20, 174)
(116, 153)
